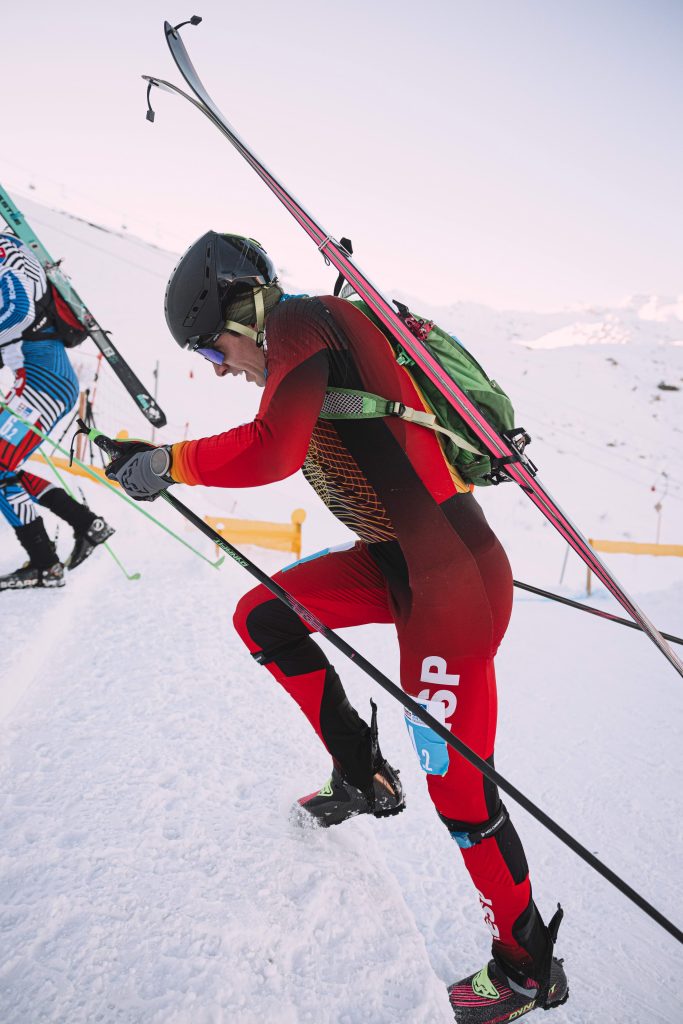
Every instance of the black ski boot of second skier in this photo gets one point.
(43, 568)
(85, 541)
(500, 992)
(30, 576)
(339, 799)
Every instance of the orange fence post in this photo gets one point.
(277, 536)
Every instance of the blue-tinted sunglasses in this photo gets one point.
(212, 354)
(204, 345)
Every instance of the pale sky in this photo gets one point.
(520, 153)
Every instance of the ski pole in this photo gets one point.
(107, 545)
(592, 611)
(411, 705)
(106, 483)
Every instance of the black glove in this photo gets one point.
(142, 469)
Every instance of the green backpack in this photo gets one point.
(462, 447)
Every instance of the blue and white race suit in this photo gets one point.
(45, 386)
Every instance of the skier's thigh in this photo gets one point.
(341, 586)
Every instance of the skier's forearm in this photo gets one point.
(271, 447)
(248, 456)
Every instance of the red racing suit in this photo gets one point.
(426, 561)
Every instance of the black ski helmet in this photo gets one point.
(200, 287)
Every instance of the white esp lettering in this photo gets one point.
(435, 671)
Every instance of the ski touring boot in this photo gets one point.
(494, 995)
(339, 799)
(30, 576)
(85, 541)
(43, 568)
(500, 992)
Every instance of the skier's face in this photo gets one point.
(240, 356)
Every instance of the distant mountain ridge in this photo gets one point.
(641, 319)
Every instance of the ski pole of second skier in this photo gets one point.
(107, 545)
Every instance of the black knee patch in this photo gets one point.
(283, 639)
(275, 651)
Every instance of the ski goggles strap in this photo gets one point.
(350, 404)
(259, 334)
(204, 343)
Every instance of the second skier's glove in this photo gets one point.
(142, 470)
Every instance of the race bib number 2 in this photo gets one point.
(12, 430)
(431, 750)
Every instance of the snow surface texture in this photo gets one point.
(149, 872)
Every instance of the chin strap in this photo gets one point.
(258, 335)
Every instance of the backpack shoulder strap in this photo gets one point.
(351, 404)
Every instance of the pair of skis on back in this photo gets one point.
(517, 465)
(18, 224)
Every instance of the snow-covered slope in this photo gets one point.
(149, 873)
